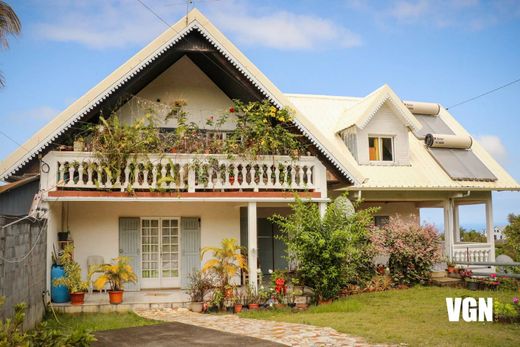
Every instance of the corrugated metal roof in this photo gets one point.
(422, 173)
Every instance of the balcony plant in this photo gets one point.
(72, 279)
(199, 285)
(116, 275)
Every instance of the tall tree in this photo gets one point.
(9, 25)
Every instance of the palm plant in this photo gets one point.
(9, 25)
(227, 260)
(116, 274)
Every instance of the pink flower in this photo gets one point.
(515, 300)
(493, 275)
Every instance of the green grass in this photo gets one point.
(98, 321)
(416, 316)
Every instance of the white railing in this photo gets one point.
(184, 172)
(472, 252)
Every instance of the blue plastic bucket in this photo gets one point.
(59, 294)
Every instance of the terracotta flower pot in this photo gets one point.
(279, 305)
(253, 307)
(115, 296)
(325, 302)
(238, 308)
(77, 298)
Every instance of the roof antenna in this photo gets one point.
(188, 3)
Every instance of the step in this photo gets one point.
(447, 282)
(106, 307)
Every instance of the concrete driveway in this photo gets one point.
(175, 334)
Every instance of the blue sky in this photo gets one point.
(440, 51)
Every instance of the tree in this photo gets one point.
(472, 236)
(512, 233)
(9, 25)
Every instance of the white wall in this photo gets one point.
(183, 80)
(384, 123)
(94, 226)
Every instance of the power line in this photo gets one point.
(14, 141)
(484, 94)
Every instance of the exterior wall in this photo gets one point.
(384, 123)
(18, 201)
(23, 281)
(94, 226)
(183, 80)
(404, 209)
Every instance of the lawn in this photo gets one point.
(417, 317)
(97, 321)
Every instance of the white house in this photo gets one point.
(373, 146)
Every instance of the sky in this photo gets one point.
(437, 51)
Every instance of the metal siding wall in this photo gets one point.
(17, 202)
(129, 246)
(190, 248)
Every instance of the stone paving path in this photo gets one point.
(286, 333)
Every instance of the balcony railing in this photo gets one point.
(472, 252)
(184, 172)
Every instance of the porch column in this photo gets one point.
(323, 208)
(456, 225)
(252, 247)
(490, 226)
(448, 228)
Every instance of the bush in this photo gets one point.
(507, 312)
(330, 252)
(412, 248)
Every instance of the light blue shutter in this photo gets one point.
(190, 248)
(129, 246)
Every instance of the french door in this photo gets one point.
(160, 239)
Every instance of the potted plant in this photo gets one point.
(63, 235)
(216, 301)
(79, 144)
(451, 266)
(199, 285)
(116, 274)
(226, 263)
(72, 278)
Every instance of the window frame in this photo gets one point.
(380, 145)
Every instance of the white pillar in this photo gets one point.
(490, 226)
(456, 224)
(252, 247)
(323, 208)
(448, 228)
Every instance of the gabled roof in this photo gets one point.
(141, 60)
(423, 173)
(361, 113)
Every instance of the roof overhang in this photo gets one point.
(147, 60)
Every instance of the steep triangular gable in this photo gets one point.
(144, 58)
(363, 112)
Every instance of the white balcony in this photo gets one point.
(184, 173)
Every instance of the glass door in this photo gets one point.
(160, 252)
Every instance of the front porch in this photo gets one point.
(97, 302)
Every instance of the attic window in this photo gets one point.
(381, 148)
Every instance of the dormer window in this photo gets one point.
(381, 148)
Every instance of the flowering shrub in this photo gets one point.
(329, 252)
(412, 248)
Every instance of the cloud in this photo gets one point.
(494, 146)
(473, 15)
(104, 23)
(101, 24)
(282, 30)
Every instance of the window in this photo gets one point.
(379, 221)
(380, 148)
